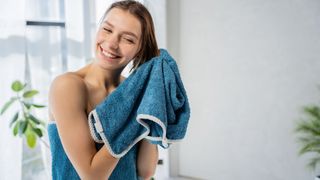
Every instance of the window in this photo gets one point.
(46, 57)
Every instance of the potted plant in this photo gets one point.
(24, 123)
(309, 135)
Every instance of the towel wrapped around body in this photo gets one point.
(151, 103)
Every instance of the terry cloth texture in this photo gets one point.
(62, 168)
(151, 103)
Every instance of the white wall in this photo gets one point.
(248, 67)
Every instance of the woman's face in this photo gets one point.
(118, 39)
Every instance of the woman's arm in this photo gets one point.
(68, 100)
(147, 159)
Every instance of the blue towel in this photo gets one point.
(62, 169)
(151, 103)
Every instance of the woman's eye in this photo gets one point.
(129, 40)
(107, 30)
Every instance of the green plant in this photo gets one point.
(309, 130)
(23, 122)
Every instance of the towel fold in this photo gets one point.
(151, 103)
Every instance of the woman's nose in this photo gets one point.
(113, 42)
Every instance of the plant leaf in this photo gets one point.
(308, 127)
(34, 119)
(17, 86)
(7, 105)
(29, 94)
(310, 147)
(31, 138)
(38, 105)
(313, 162)
(14, 119)
(22, 127)
(16, 128)
(312, 111)
(27, 105)
(38, 132)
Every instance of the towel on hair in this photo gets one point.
(151, 103)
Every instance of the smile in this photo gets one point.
(109, 54)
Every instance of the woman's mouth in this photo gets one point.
(108, 54)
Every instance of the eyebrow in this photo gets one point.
(124, 32)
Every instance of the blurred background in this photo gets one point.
(248, 67)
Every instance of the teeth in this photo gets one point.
(108, 54)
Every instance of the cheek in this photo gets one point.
(98, 37)
(133, 53)
(135, 50)
(98, 41)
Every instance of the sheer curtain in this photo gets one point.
(44, 61)
(35, 54)
(52, 50)
(12, 67)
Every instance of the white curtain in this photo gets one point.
(12, 60)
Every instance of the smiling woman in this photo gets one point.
(117, 40)
(125, 34)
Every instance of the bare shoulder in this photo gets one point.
(68, 90)
(68, 82)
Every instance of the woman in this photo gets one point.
(126, 34)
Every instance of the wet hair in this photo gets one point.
(148, 43)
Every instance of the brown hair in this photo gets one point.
(148, 43)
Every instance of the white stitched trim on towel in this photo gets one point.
(165, 142)
(93, 114)
(105, 140)
(140, 119)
